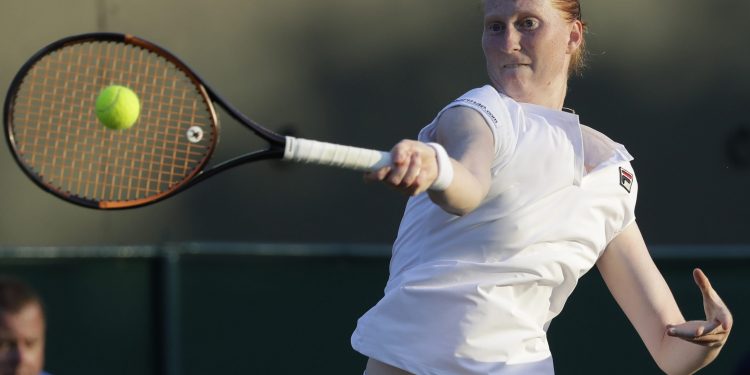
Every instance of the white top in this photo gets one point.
(475, 294)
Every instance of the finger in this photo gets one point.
(415, 168)
(429, 166)
(717, 311)
(378, 175)
(717, 336)
(705, 340)
(401, 155)
(713, 304)
(682, 333)
(401, 152)
(724, 317)
(397, 173)
(709, 340)
(709, 343)
(710, 299)
(413, 190)
(702, 280)
(692, 329)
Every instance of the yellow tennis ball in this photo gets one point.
(117, 107)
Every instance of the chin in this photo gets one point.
(511, 85)
(517, 92)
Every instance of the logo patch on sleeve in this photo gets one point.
(626, 179)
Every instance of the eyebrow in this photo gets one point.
(522, 11)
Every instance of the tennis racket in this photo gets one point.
(56, 138)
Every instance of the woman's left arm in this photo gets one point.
(677, 346)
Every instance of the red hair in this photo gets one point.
(571, 10)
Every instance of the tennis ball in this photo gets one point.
(117, 107)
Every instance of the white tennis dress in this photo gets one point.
(475, 294)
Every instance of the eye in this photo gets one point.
(30, 343)
(528, 24)
(495, 27)
(5, 346)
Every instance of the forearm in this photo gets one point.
(677, 346)
(469, 142)
(464, 194)
(676, 356)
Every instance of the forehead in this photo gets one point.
(508, 7)
(27, 323)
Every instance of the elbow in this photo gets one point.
(458, 204)
(673, 370)
(459, 210)
(456, 211)
(684, 360)
(684, 368)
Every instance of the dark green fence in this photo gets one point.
(290, 309)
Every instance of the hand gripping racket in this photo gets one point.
(55, 136)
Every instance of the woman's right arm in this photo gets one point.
(468, 141)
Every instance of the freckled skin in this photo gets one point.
(528, 46)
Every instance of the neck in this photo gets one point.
(553, 96)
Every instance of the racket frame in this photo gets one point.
(276, 142)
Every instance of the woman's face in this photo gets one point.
(527, 46)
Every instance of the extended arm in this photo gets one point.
(677, 346)
(468, 140)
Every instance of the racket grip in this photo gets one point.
(359, 159)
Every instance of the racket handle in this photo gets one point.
(359, 159)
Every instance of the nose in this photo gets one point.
(510, 40)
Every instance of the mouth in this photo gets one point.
(514, 65)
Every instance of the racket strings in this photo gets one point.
(61, 142)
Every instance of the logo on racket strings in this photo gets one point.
(194, 134)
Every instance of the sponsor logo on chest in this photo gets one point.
(626, 179)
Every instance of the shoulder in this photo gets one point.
(479, 109)
(463, 123)
(487, 101)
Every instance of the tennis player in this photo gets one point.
(512, 201)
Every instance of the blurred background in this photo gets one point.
(249, 273)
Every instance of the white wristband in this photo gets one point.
(445, 168)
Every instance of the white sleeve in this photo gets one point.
(493, 109)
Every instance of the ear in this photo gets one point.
(576, 36)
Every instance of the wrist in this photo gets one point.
(444, 166)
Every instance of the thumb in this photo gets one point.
(703, 283)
